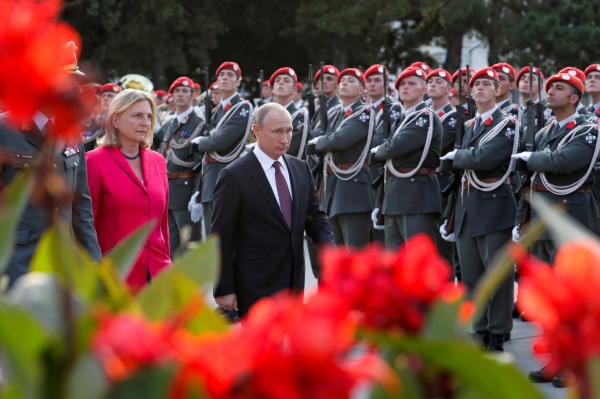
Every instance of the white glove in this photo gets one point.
(194, 208)
(313, 141)
(374, 217)
(444, 233)
(449, 156)
(516, 234)
(197, 140)
(250, 146)
(522, 155)
(374, 150)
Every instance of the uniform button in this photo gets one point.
(186, 183)
(412, 179)
(564, 201)
(493, 195)
(55, 166)
(25, 165)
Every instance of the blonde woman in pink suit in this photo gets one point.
(128, 184)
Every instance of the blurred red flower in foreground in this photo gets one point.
(391, 290)
(284, 350)
(565, 301)
(125, 343)
(32, 64)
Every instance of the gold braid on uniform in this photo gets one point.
(184, 144)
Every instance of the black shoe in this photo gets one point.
(482, 337)
(496, 343)
(506, 337)
(540, 376)
(515, 313)
(559, 381)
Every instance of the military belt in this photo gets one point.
(466, 184)
(181, 175)
(537, 186)
(420, 172)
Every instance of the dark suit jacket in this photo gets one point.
(260, 255)
(19, 149)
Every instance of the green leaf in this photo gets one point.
(127, 251)
(149, 383)
(22, 342)
(12, 203)
(442, 322)
(482, 372)
(593, 376)
(59, 254)
(87, 380)
(167, 294)
(201, 263)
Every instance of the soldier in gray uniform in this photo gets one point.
(19, 150)
(439, 84)
(283, 81)
(562, 165)
(347, 194)
(173, 140)
(330, 86)
(226, 137)
(507, 76)
(412, 200)
(485, 207)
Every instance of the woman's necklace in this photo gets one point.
(136, 156)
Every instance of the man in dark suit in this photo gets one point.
(263, 204)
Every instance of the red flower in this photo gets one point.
(124, 343)
(564, 300)
(571, 125)
(32, 60)
(389, 289)
(488, 121)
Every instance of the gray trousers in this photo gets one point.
(178, 219)
(351, 229)
(475, 255)
(399, 228)
(545, 250)
(207, 213)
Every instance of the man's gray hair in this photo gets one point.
(261, 113)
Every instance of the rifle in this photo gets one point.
(471, 107)
(311, 94)
(387, 125)
(529, 146)
(461, 117)
(208, 104)
(539, 107)
(261, 78)
(323, 103)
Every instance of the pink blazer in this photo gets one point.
(123, 203)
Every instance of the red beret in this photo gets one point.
(283, 71)
(422, 65)
(376, 69)
(441, 73)
(566, 78)
(408, 72)
(266, 83)
(299, 85)
(181, 81)
(229, 65)
(330, 69)
(160, 93)
(110, 88)
(462, 71)
(484, 73)
(578, 73)
(196, 86)
(452, 93)
(214, 86)
(507, 69)
(169, 98)
(526, 70)
(592, 68)
(355, 72)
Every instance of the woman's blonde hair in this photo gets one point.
(121, 103)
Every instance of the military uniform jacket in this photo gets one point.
(180, 159)
(299, 121)
(222, 141)
(346, 142)
(491, 211)
(315, 123)
(509, 108)
(379, 135)
(20, 149)
(565, 166)
(418, 194)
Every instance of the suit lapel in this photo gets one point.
(263, 186)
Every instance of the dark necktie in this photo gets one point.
(478, 128)
(285, 199)
(552, 131)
